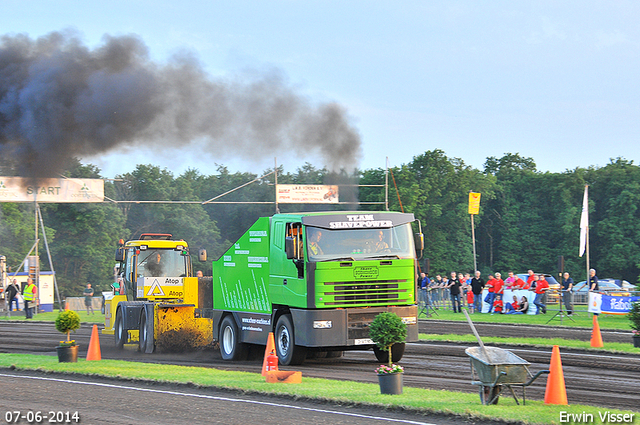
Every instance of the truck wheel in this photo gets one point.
(119, 332)
(288, 352)
(230, 348)
(144, 339)
(397, 351)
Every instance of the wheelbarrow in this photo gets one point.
(494, 368)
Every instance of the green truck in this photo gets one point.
(316, 280)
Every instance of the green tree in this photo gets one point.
(186, 220)
(17, 234)
(614, 193)
(530, 221)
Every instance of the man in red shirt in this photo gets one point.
(518, 283)
(541, 287)
(491, 296)
(498, 286)
(531, 277)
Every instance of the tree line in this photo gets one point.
(527, 219)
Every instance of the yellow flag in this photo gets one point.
(474, 203)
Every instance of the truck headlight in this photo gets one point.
(410, 320)
(322, 324)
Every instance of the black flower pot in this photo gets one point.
(390, 383)
(67, 354)
(636, 341)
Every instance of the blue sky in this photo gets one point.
(555, 81)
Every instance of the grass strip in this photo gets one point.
(421, 401)
(97, 318)
(610, 347)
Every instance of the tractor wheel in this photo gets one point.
(119, 333)
(145, 340)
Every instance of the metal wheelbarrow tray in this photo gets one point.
(493, 368)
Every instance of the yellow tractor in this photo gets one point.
(156, 301)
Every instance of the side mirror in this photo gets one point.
(419, 241)
(289, 248)
(119, 254)
(202, 254)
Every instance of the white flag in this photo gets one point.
(584, 221)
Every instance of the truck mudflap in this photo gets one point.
(348, 328)
(177, 328)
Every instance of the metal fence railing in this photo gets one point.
(434, 299)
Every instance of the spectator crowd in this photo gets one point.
(512, 295)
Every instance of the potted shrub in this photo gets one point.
(634, 318)
(66, 322)
(385, 330)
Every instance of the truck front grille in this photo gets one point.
(364, 292)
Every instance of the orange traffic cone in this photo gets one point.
(556, 392)
(94, 345)
(271, 346)
(596, 338)
(66, 305)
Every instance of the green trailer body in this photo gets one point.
(241, 275)
(316, 280)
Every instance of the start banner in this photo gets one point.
(19, 189)
(610, 304)
(306, 194)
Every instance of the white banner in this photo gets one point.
(306, 194)
(595, 303)
(584, 221)
(19, 189)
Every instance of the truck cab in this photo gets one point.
(150, 264)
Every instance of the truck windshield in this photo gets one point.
(162, 263)
(325, 245)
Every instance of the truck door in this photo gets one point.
(287, 281)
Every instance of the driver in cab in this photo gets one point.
(314, 243)
(381, 245)
(154, 266)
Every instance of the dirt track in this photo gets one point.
(591, 378)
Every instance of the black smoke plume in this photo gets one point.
(60, 99)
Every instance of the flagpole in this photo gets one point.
(473, 236)
(386, 185)
(474, 208)
(587, 252)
